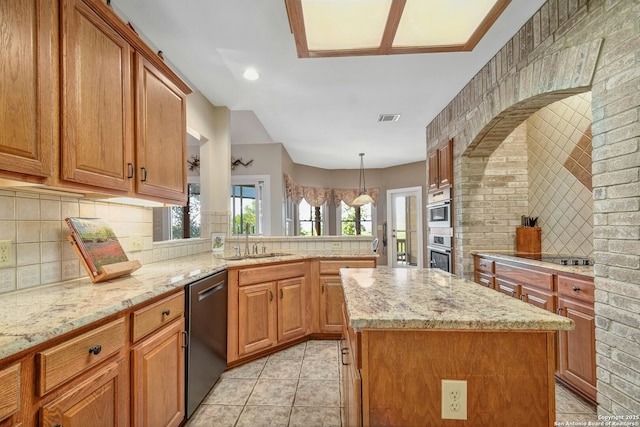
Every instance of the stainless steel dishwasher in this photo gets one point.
(206, 352)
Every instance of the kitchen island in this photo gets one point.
(407, 330)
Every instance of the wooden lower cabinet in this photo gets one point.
(101, 400)
(271, 313)
(331, 297)
(9, 391)
(567, 294)
(157, 378)
(331, 300)
(257, 319)
(576, 348)
(291, 309)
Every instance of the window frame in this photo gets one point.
(263, 208)
(339, 220)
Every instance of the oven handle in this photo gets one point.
(439, 249)
(439, 204)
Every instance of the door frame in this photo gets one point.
(413, 191)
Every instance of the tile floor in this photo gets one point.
(301, 386)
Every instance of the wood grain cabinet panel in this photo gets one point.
(59, 364)
(97, 101)
(440, 162)
(157, 378)
(576, 349)
(156, 315)
(99, 401)
(331, 300)
(257, 318)
(28, 88)
(161, 144)
(9, 391)
(291, 309)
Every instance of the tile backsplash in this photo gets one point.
(35, 224)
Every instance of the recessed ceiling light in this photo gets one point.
(388, 117)
(251, 74)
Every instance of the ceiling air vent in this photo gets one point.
(388, 117)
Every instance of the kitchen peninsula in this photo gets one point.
(406, 330)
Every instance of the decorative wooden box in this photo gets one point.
(529, 240)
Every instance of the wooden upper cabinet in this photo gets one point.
(161, 147)
(28, 88)
(440, 162)
(97, 102)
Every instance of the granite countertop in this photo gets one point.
(388, 298)
(32, 316)
(582, 270)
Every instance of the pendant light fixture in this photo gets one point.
(363, 198)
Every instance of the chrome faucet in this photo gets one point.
(246, 239)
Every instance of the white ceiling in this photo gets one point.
(323, 110)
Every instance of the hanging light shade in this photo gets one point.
(363, 198)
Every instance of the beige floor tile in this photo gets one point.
(249, 370)
(295, 352)
(322, 349)
(273, 392)
(306, 416)
(231, 391)
(264, 416)
(320, 393)
(215, 415)
(282, 369)
(320, 369)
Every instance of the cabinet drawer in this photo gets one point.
(9, 391)
(485, 280)
(250, 276)
(334, 266)
(524, 276)
(350, 343)
(63, 362)
(576, 288)
(152, 317)
(484, 265)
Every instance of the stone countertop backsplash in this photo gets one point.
(32, 316)
(582, 270)
(387, 298)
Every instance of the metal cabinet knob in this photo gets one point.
(166, 312)
(576, 289)
(96, 349)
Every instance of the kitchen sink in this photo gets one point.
(255, 256)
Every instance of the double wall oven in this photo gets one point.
(440, 230)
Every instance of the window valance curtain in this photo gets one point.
(349, 195)
(316, 196)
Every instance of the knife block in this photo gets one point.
(529, 240)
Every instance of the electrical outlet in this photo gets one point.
(135, 242)
(6, 253)
(336, 245)
(454, 400)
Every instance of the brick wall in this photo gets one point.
(570, 47)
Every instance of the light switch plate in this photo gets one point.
(135, 242)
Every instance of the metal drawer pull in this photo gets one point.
(576, 289)
(343, 351)
(166, 312)
(270, 296)
(131, 170)
(96, 349)
(281, 294)
(560, 311)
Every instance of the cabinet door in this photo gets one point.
(256, 317)
(97, 102)
(291, 309)
(28, 82)
(445, 165)
(161, 142)
(576, 352)
(331, 299)
(157, 376)
(99, 401)
(433, 170)
(540, 298)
